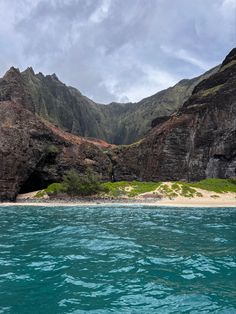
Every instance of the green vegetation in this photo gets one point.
(117, 123)
(187, 191)
(52, 189)
(215, 196)
(167, 190)
(130, 145)
(88, 184)
(134, 188)
(130, 189)
(75, 185)
(52, 149)
(212, 90)
(41, 194)
(216, 185)
(230, 64)
(81, 185)
(178, 189)
(55, 188)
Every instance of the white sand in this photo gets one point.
(178, 202)
(208, 199)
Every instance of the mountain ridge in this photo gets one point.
(116, 123)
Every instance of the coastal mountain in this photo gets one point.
(34, 153)
(68, 109)
(197, 141)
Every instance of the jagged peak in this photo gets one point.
(12, 72)
(54, 76)
(40, 75)
(29, 70)
(14, 69)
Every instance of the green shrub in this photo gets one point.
(52, 149)
(55, 188)
(75, 184)
(83, 185)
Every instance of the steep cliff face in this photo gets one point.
(68, 109)
(133, 123)
(196, 142)
(34, 153)
(64, 106)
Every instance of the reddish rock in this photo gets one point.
(34, 153)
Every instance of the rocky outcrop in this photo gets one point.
(34, 153)
(13, 88)
(196, 142)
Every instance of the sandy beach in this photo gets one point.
(178, 202)
(208, 199)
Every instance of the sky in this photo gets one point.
(116, 50)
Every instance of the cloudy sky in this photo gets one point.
(116, 50)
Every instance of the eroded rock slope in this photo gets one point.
(196, 142)
(34, 153)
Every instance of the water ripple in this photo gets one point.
(117, 259)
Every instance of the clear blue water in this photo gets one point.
(117, 260)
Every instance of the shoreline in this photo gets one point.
(155, 198)
(185, 203)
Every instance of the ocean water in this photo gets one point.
(117, 259)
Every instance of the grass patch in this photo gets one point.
(41, 194)
(55, 188)
(216, 185)
(130, 189)
(178, 189)
(89, 186)
(52, 189)
(168, 191)
(188, 191)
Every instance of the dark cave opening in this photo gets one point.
(35, 182)
(38, 179)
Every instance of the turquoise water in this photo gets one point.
(117, 260)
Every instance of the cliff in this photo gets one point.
(34, 153)
(196, 142)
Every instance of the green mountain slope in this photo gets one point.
(115, 123)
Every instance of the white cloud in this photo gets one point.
(186, 56)
(228, 11)
(101, 12)
(113, 49)
(152, 81)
